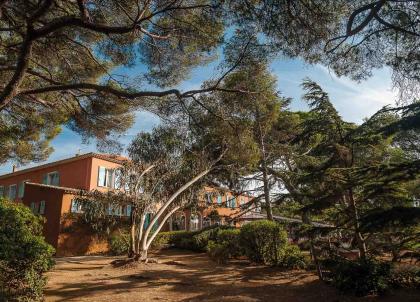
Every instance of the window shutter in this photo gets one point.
(109, 178)
(219, 199)
(73, 206)
(42, 207)
(117, 179)
(56, 179)
(233, 202)
(1, 191)
(101, 176)
(21, 189)
(33, 207)
(128, 210)
(12, 192)
(45, 179)
(147, 220)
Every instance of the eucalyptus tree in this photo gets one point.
(165, 173)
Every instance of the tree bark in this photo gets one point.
(361, 244)
(306, 219)
(267, 193)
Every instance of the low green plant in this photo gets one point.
(24, 254)
(263, 241)
(405, 276)
(293, 258)
(119, 243)
(225, 246)
(361, 277)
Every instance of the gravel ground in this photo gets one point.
(186, 276)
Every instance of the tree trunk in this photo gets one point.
(169, 202)
(306, 219)
(361, 244)
(140, 233)
(132, 249)
(267, 193)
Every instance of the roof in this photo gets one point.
(66, 189)
(108, 157)
(257, 216)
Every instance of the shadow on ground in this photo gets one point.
(184, 276)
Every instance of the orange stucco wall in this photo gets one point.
(73, 174)
(53, 209)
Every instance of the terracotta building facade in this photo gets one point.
(49, 191)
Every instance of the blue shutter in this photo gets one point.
(219, 199)
(45, 179)
(33, 207)
(233, 202)
(147, 220)
(73, 206)
(56, 179)
(42, 207)
(128, 210)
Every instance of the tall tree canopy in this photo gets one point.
(59, 59)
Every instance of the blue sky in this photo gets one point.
(354, 101)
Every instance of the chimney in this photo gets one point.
(14, 168)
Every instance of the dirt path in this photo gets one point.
(185, 276)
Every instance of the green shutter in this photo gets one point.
(42, 207)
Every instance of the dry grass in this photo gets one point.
(186, 276)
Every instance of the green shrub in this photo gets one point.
(405, 276)
(225, 246)
(24, 254)
(361, 277)
(293, 258)
(263, 241)
(119, 243)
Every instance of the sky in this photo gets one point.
(354, 101)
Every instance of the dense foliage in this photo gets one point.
(61, 60)
(362, 277)
(24, 254)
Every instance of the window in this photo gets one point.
(21, 189)
(12, 192)
(1, 191)
(76, 207)
(114, 210)
(117, 179)
(34, 207)
(42, 207)
(128, 210)
(233, 202)
(52, 179)
(208, 198)
(105, 177)
(219, 199)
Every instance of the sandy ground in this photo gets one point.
(186, 276)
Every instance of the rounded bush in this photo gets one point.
(293, 258)
(263, 241)
(361, 277)
(24, 254)
(119, 243)
(225, 246)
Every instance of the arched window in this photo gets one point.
(178, 222)
(195, 222)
